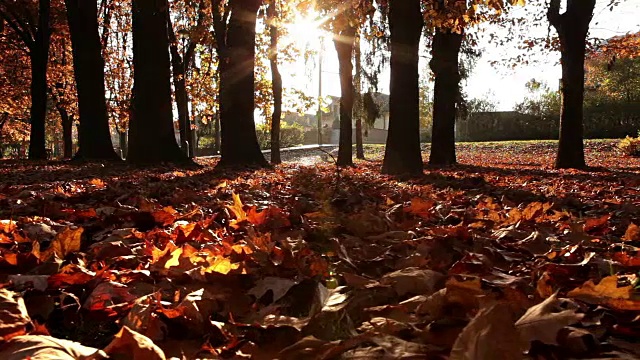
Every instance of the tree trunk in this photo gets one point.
(122, 135)
(178, 65)
(238, 130)
(358, 113)
(94, 136)
(216, 132)
(402, 154)
(151, 135)
(67, 131)
(344, 46)
(39, 61)
(572, 28)
(276, 79)
(444, 64)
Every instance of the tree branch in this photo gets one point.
(553, 14)
(17, 27)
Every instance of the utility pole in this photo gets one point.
(320, 92)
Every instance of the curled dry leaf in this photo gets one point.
(14, 318)
(143, 319)
(128, 344)
(40, 347)
(542, 322)
(414, 281)
(491, 334)
(279, 287)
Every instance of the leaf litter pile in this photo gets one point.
(499, 258)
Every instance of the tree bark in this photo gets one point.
(151, 134)
(122, 135)
(358, 113)
(344, 47)
(67, 131)
(238, 130)
(444, 64)
(94, 136)
(39, 60)
(572, 28)
(402, 153)
(180, 86)
(276, 80)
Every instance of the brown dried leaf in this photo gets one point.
(490, 332)
(607, 293)
(129, 344)
(14, 318)
(414, 281)
(541, 323)
(40, 347)
(66, 242)
(632, 233)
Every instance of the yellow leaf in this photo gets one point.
(237, 208)
(607, 293)
(220, 265)
(66, 242)
(175, 258)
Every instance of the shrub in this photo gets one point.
(630, 146)
(290, 135)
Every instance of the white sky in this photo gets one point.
(505, 85)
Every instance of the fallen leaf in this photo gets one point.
(132, 345)
(608, 293)
(542, 322)
(41, 347)
(632, 233)
(14, 318)
(414, 281)
(66, 242)
(278, 286)
(490, 332)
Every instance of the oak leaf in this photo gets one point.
(608, 293)
(542, 323)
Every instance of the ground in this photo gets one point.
(312, 262)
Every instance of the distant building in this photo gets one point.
(377, 133)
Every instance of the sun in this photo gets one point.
(306, 30)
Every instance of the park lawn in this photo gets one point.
(214, 264)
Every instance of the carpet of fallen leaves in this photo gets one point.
(501, 257)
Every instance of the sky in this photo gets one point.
(504, 85)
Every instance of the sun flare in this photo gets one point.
(306, 29)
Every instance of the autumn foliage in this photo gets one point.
(299, 263)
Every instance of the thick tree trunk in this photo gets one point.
(358, 113)
(276, 80)
(444, 64)
(344, 47)
(572, 28)
(39, 60)
(178, 64)
(151, 135)
(94, 135)
(238, 130)
(402, 153)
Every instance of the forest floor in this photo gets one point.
(307, 261)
